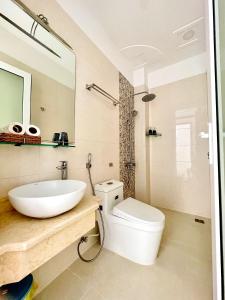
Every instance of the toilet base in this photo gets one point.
(134, 244)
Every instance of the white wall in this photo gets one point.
(139, 78)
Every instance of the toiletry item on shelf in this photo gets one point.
(63, 139)
(14, 128)
(151, 131)
(32, 130)
(154, 132)
(56, 137)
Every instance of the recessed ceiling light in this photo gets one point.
(188, 35)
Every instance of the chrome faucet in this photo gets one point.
(63, 168)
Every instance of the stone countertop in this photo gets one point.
(20, 233)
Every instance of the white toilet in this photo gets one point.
(132, 229)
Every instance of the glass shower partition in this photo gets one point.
(219, 48)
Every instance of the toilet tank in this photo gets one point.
(110, 193)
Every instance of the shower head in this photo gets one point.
(148, 97)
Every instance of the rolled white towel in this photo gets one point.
(15, 128)
(33, 130)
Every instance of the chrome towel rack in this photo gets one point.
(103, 92)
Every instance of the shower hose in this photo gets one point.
(84, 239)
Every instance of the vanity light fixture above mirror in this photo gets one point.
(50, 63)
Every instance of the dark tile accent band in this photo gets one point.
(127, 150)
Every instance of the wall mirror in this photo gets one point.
(37, 73)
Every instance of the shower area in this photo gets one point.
(163, 149)
(129, 114)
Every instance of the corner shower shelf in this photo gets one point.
(43, 144)
(154, 135)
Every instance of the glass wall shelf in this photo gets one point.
(43, 144)
(154, 135)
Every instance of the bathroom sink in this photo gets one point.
(47, 199)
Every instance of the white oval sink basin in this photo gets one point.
(47, 199)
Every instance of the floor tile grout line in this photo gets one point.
(74, 274)
(86, 292)
(87, 289)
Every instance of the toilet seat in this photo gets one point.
(137, 212)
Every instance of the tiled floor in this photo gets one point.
(182, 270)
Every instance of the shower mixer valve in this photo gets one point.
(130, 164)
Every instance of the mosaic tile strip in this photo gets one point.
(127, 142)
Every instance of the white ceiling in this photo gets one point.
(133, 33)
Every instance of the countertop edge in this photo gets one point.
(25, 245)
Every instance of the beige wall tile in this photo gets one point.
(178, 160)
(97, 126)
(141, 148)
(96, 122)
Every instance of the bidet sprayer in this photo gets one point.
(88, 164)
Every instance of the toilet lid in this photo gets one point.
(136, 211)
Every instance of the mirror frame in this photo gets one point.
(26, 89)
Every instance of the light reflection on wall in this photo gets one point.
(185, 126)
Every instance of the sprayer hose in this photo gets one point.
(84, 239)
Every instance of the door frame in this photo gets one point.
(216, 137)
